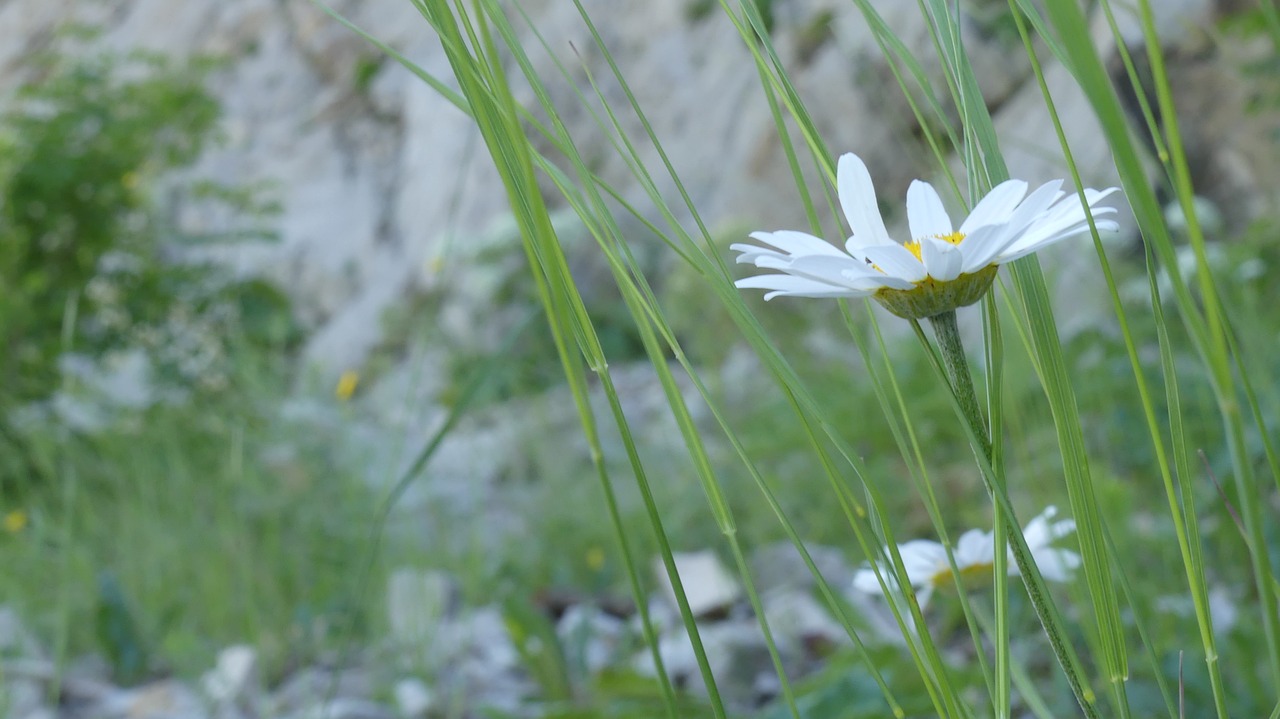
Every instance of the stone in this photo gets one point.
(21, 698)
(1177, 22)
(736, 654)
(341, 707)
(167, 699)
(480, 635)
(234, 676)
(709, 587)
(477, 662)
(25, 671)
(799, 621)
(589, 637)
(418, 602)
(780, 565)
(1224, 609)
(298, 694)
(663, 615)
(413, 698)
(15, 639)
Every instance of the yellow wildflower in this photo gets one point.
(15, 521)
(595, 559)
(347, 385)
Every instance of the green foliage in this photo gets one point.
(180, 529)
(80, 141)
(88, 263)
(84, 258)
(120, 635)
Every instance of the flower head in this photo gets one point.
(941, 267)
(927, 567)
(346, 386)
(15, 521)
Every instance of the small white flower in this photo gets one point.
(927, 568)
(942, 267)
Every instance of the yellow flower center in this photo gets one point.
(913, 246)
(973, 576)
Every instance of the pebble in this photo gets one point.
(708, 586)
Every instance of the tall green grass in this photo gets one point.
(1101, 647)
(176, 530)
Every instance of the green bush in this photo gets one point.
(87, 264)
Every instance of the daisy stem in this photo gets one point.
(947, 333)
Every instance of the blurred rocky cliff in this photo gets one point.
(384, 185)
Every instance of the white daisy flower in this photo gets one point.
(942, 267)
(927, 568)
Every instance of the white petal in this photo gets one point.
(997, 207)
(864, 580)
(925, 213)
(858, 200)
(981, 247)
(878, 280)
(751, 253)
(841, 271)
(1037, 531)
(896, 261)
(1064, 219)
(1034, 206)
(1034, 242)
(922, 559)
(797, 243)
(1057, 565)
(974, 548)
(942, 260)
(795, 287)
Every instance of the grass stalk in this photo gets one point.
(947, 333)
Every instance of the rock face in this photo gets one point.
(387, 190)
(382, 181)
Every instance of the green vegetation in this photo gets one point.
(157, 529)
(1106, 424)
(170, 530)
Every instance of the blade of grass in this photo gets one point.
(1207, 329)
(1084, 504)
(499, 128)
(773, 503)
(1194, 570)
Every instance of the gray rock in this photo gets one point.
(417, 603)
(736, 654)
(22, 681)
(663, 615)
(589, 637)
(343, 708)
(477, 661)
(234, 677)
(166, 699)
(480, 637)
(781, 565)
(799, 621)
(302, 691)
(413, 698)
(709, 587)
(1224, 609)
(16, 641)
(21, 697)
(41, 712)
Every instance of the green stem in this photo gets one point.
(947, 333)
